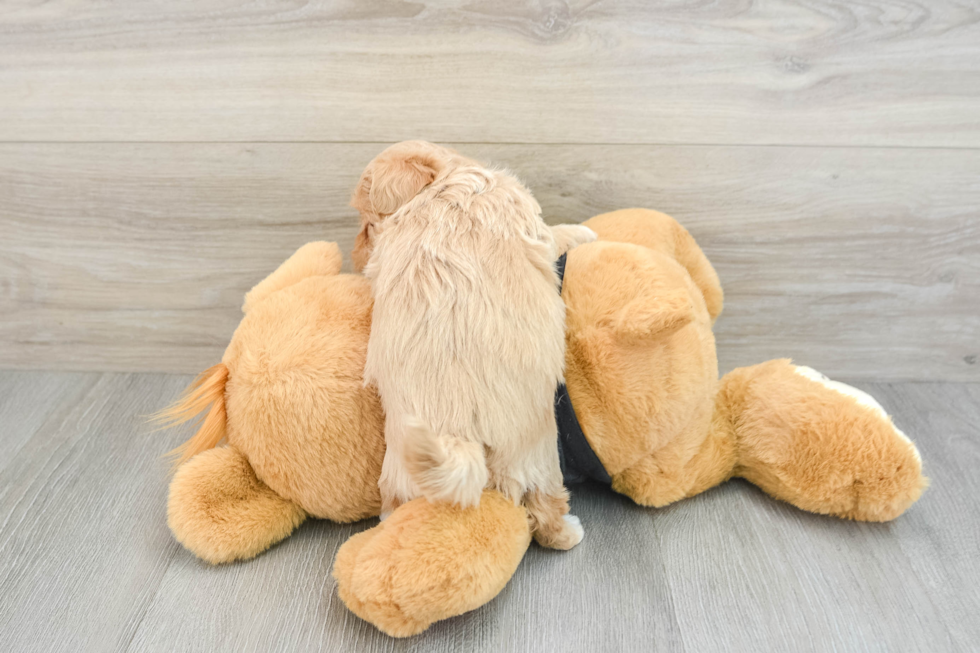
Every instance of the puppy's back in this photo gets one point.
(468, 326)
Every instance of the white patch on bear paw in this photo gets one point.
(576, 525)
(861, 397)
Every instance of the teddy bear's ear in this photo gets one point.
(629, 291)
(654, 317)
(311, 260)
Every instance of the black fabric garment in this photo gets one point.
(578, 461)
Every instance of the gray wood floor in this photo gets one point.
(87, 562)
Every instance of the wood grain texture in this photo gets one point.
(946, 419)
(539, 602)
(28, 400)
(862, 263)
(760, 72)
(87, 564)
(83, 536)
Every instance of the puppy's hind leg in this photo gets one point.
(545, 496)
(570, 236)
(551, 524)
(395, 484)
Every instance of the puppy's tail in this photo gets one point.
(445, 467)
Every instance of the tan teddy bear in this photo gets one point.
(304, 437)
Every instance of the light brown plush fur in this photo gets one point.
(206, 392)
(641, 373)
(289, 399)
(419, 565)
(219, 487)
(305, 437)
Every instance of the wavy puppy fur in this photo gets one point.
(391, 179)
(467, 339)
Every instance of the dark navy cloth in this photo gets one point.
(578, 461)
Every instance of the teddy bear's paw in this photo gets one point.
(882, 467)
(431, 561)
(220, 511)
(819, 444)
(862, 399)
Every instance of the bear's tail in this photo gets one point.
(208, 389)
(445, 467)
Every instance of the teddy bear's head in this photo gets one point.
(640, 357)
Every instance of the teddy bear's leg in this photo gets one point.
(221, 512)
(818, 444)
(700, 457)
(431, 561)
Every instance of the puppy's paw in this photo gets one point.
(569, 236)
(585, 235)
(561, 534)
(573, 530)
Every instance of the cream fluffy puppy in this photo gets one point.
(467, 340)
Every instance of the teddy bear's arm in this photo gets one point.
(312, 259)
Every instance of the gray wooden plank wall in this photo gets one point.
(87, 562)
(859, 262)
(824, 72)
(157, 159)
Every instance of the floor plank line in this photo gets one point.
(86, 560)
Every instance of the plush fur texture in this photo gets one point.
(288, 397)
(308, 426)
(662, 425)
(219, 488)
(467, 341)
(429, 561)
(306, 438)
(819, 445)
(206, 392)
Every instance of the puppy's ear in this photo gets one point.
(393, 178)
(402, 171)
(363, 244)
